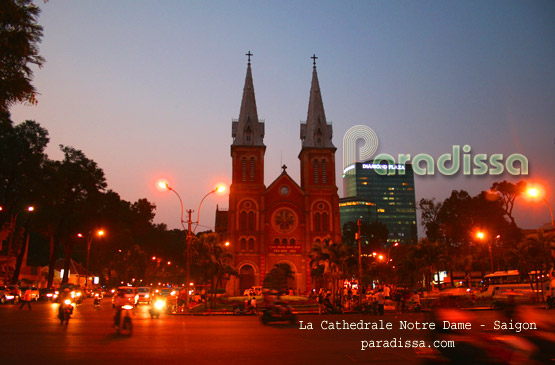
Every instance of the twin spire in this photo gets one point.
(249, 131)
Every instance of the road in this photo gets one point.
(37, 336)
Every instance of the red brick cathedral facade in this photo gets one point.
(279, 224)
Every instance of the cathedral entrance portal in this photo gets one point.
(246, 278)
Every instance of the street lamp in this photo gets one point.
(219, 189)
(99, 233)
(13, 225)
(481, 235)
(535, 193)
(389, 251)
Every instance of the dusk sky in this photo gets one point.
(148, 89)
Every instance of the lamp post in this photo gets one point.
(533, 192)
(359, 239)
(481, 235)
(99, 233)
(189, 231)
(389, 251)
(13, 225)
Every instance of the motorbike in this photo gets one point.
(157, 307)
(97, 300)
(124, 324)
(279, 313)
(65, 312)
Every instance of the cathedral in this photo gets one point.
(280, 223)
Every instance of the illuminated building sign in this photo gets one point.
(295, 249)
(377, 166)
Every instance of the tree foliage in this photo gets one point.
(20, 36)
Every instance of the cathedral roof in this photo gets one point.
(316, 132)
(248, 130)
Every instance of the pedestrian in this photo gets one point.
(320, 301)
(381, 302)
(26, 299)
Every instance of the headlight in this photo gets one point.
(146, 295)
(78, 294)
(128, 307)
(159, 304)
(173, 292)
(67, 302)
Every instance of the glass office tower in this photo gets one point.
(391, 189)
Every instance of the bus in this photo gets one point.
(502, 282)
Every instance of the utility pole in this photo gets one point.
(359, 239)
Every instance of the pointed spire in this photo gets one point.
(248, 130)
(316, 132)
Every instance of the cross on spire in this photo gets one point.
(314, 58)
(249, 54)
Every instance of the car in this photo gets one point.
(144, 295)
(35, 294)
(47, 294)
(10, 293)
(130, 293)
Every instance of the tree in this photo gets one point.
(508, 192)
(534, 254)
(430, 218)
(22, 159)
(77, 185)
(19, 38)
(331, 261)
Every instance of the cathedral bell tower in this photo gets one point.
(317, 159)
(246, 196)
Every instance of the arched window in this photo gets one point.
(276, 241)
(251, 244)
(251, 221)
(324, 179)
(316, 170)
(317, 241)
(317, 226)
(243, 244)
(292, 242)
(325, 222)
(244, 169)
(284, 241)
(243, 220)
(252, 169)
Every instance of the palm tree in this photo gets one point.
(429, 257)
(534, 254)
(331, 260)
(212, 260)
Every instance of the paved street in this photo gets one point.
(37, 336)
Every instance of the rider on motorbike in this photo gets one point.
(119, 301)
(66, 294)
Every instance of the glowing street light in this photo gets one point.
(389, 251)
(481, 235)
(165, 186)
(99, 233)
(535, 193)
(13, 224)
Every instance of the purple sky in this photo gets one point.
(149, 89)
